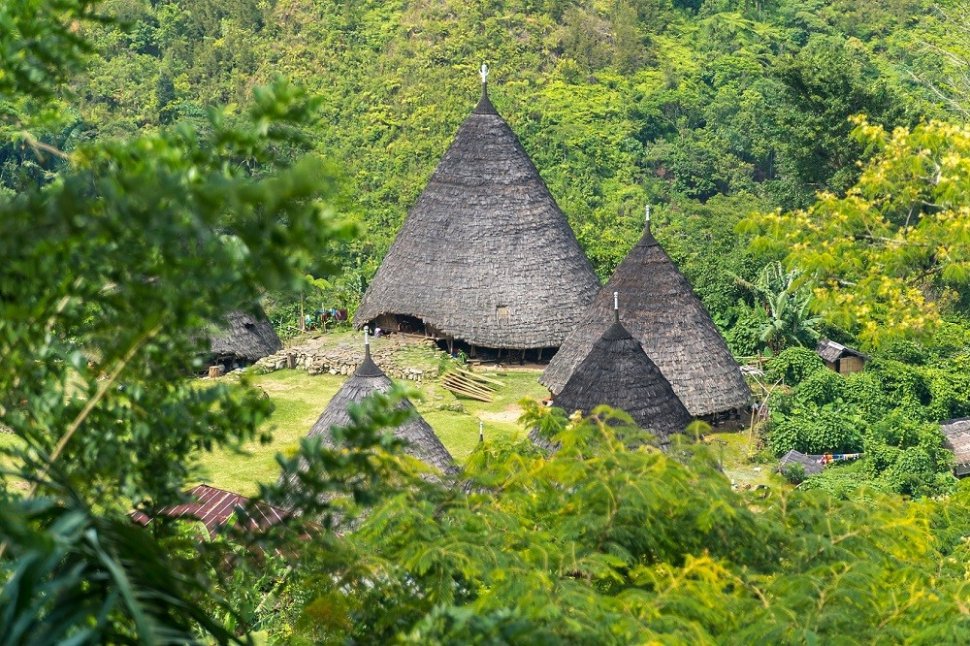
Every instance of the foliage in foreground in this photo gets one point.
(599, 543)
(111, 274)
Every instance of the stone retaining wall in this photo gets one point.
(344, 359)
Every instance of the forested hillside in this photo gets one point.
(163, 161)
(707, 110)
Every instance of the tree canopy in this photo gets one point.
(156, 173)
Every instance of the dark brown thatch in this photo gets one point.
(957, 432)
(485, 255)
(617, 372)
(245, 338)
(661, 311)
(422, 443)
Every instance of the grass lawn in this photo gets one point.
(300, 398)
(458, 430)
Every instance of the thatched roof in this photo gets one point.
(617, 372)
(661, 311)
(485, 254)
(245, 337)
(214, 507)
(957, 432)
(422, 443)
(831, 351)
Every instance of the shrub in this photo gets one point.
(820, 388)
(743, 338)
(906, 351)
(794, 473)
(904, 385)
(815, 429)
(863, 390)
(793, 365)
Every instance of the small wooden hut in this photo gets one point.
(661, 311)
(422, 443)
(618, 373)
(246, 338)
(840, 358)
(957, 432)
(485, 256)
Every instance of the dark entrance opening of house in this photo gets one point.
(496, 355)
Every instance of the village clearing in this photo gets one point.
(299, 398)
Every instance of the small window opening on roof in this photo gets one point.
(502, 312)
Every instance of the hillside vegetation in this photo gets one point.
(164, 161)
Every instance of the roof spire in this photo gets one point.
(481, 431)
(616, 306)
(484, 105)
(483, 72)
(367, 367)
(648, 218)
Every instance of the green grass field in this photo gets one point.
(300, 398)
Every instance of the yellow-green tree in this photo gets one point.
(893, 254)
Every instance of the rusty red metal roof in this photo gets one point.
(214, 508)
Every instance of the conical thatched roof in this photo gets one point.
(485, 254)
(422, 442)
(245, 337)
(617, 372)
(662, 312)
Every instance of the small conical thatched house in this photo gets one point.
(245, 339)
(422, 443)
(617, 372)
(485, 256)
(662, 312)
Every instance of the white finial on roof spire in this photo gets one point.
(484, 73)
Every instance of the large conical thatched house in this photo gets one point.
(617, 372)
(422, 443)
(485, 256)
(662, 312)
(245, 338)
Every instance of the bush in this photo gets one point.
(794, 473)
(793, 365)
(863, 390)
(820, 388)
(815, 429)
(903, 385)
(949, 393)
(905, 351)
(743, 338)
(844, 481)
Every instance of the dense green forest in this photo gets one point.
(707, 110)
(163, 161)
